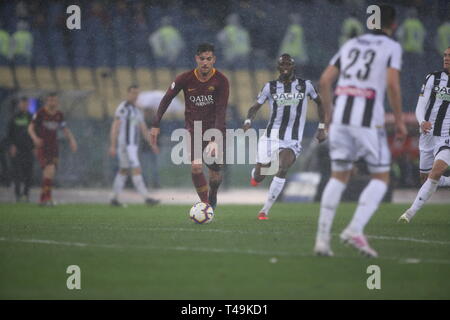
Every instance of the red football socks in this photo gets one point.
(201, 186)
(46, 190)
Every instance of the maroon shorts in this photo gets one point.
(47, 156)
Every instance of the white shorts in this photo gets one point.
(348, 144)
(128, 157)
(441, 144)
(426, 148)
(269, 147)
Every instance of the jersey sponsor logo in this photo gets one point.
(191, 89)
(442, 93)
(50, 125)
(202, 100)
(285, 99)
(355, 92)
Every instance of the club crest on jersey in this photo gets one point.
(202, 100)
(284, 99)
(298, 87)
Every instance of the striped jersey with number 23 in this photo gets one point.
(363, 62)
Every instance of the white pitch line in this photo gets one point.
(210, 250)
(378, 237)
(409, 239)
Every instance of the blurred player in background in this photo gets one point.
(21, 150)
(365, 67)
(288, 100)
(43, 130)
(433, 115)
(206, 92)
(124, 139)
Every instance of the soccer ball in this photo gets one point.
(201, 213)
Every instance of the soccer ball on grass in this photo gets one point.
(201, 213)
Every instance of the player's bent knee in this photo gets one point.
(383, 176)
(196, 168)
(282, 172)
(136, 171)
(215, 167)
(439, 167)
(444, 156)
(339, 165)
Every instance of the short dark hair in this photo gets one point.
(387, 15)
(133, 86)
(286, 56)
(205, 47)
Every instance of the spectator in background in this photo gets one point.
(234, 41)
(21, 150)
(351, 27)
(294, 42)
(443, 37)
(411, 33)
(22, 43)
(22, 10)
(5, 42)
(167, 43)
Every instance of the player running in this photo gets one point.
(206, 92)
(433, 115)
(287, 97)
(124, 137)
(43, 131)
(365, 67)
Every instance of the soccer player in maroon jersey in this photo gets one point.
(43, 130)
(206, 92)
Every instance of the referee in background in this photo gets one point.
(21, 150)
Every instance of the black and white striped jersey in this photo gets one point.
(433, 103)
(363, 62)
(288, 102)
(130, 119)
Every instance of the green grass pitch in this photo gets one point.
(158, 253)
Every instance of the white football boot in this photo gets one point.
(406, 217)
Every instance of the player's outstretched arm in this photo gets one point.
(422, 102)
(321, 132)
(148, 137)
(251, 115)
(154, 133)
(395, 101)
(72, 141)
(327, 79)
(114, 133)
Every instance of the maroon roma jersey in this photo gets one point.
(46, 127)
(204, 101)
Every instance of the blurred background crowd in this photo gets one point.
(149, 42)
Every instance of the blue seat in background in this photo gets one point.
(40, 48)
